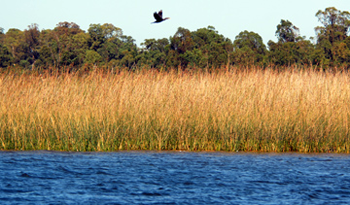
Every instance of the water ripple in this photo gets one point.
(173, 178)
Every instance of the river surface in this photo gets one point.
(43, 177)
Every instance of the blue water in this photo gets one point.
(173, 178)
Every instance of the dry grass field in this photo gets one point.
(246, 110)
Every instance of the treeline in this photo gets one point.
(106, 46)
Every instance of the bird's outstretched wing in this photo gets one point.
(157, 16)
(160, 13)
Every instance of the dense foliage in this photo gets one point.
(105, 45)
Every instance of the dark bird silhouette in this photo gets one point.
(159, 17)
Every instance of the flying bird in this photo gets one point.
(159, 17)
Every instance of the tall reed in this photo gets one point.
(247, 110)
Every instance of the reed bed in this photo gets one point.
(246, 110)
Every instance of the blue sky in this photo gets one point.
(134, 17)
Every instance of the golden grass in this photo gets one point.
(255, 110)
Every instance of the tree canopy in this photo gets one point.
(106, 45)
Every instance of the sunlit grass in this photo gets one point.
(252, 110)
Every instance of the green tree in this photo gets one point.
(111, 44)
(249, 49)
(48, 49)
(92, 57)
(99, 34)
(14, 41)
(154, 52)
(289, 53)
(160, 45)
(282, 54)
(335, 23)
(68, 50)
(287, 32)
(179, 44)
(291, 48)
(341, 54)
(306, 53)
(209, 46)
(5, 57)
(334, 30)
(32, 35)
(64, 45)
(127, 51)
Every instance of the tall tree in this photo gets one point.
(335, 29)
(99, 34)
(65, 48)
(287, 32)
(14, 41)
(106, 39)
(154, 52)
(5, 56)
(335, 23)
(32, 35)
(179, 44)
(181, 41)
(249, 49)
(211, 47)
(127, 51)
